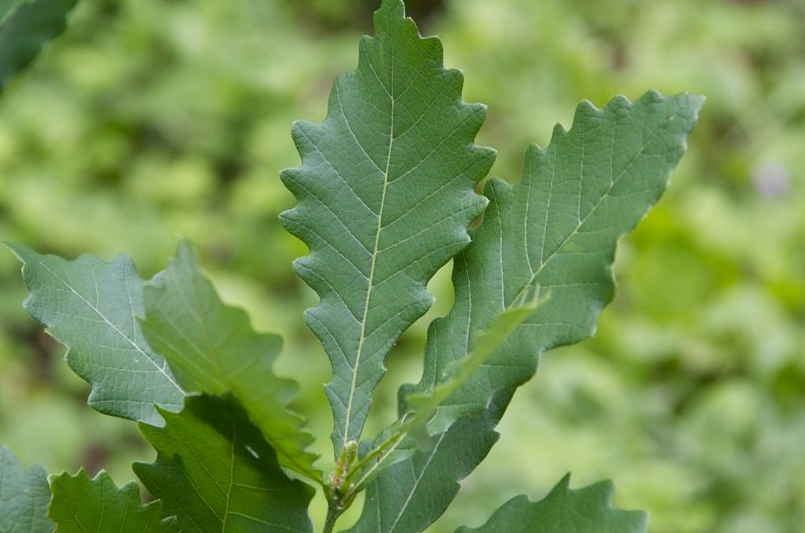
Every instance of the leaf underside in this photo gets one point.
(84, 505)
(91, 307)
(385, 195)
(555, 233)
(587, 510)
(24, 497)
(215, 472)
(25, 27)
(212, 348)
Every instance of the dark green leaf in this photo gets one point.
(385, 192)
(25, 28)
(587, 510)
(24, 497)
(212, 348)
(84, 505)
(91, 307)
(215, 472)
(554, 233)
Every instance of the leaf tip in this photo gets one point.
(390, 6)
(695, 102)
(20, 251)
(587, 106)
(184, 250)
(559, 131)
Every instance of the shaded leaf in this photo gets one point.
(554, 232)
(84, 505)
(588, 510)
(24, 497)
(25, 28)
(212, 348)
(215, 472)
(91, 307)
(385, 194)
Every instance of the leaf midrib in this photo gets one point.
(115, 328)
(416, 483)
(606, 195)
(378, 231)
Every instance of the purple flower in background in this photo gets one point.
(771, 179)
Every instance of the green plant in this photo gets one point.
(386, 194)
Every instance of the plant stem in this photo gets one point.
(359, 484)
(358, 467)
(332, 516)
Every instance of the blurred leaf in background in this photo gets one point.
(25, 27)
(128, 134)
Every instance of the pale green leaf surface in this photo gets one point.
(215, 472)
(25, 28)
(586, 510)
(212, 348)
(385, 194)
(91, 307)
(554, 232)
(84, 505)
(24, 497)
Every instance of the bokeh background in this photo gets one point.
(150, 120)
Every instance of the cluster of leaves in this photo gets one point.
(691, 393)
(386, 193)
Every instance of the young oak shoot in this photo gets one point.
(386, 193)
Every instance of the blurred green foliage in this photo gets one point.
(154, 119)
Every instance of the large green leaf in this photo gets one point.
(554, 232)
(25, 27)
(91, 307)
(84, 505)
(215, 472)
(587, 510)
(212, 348)
(385, 194)
(24, 497)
